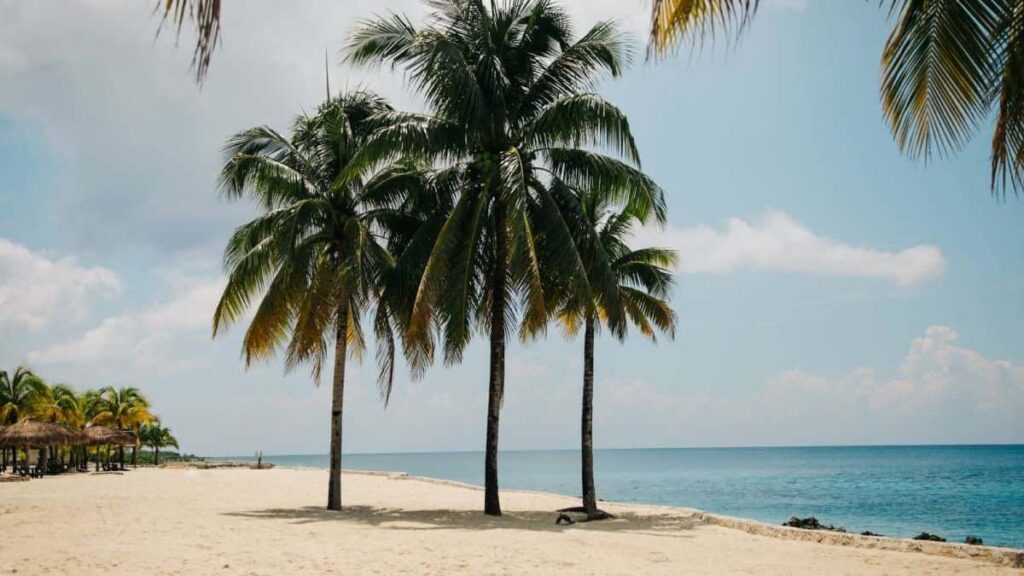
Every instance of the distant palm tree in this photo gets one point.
(60, 405)
(157, 436)
(507, 85)
(315, 255)
(124, 409)
(19, 391)
(946, 66)
(634, 292)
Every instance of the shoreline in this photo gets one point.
(997, 555)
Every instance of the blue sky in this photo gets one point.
(831, 290)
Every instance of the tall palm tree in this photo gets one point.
(123, 408)
(19, 391)
(638, 284)
(315, 254)
(947, 65)
(510, 118)
(157, 436)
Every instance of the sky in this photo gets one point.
(830, 290)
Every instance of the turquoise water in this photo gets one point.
(953, 491)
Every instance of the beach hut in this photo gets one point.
(29, 433)
(104, 436)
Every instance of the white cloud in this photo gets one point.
(37, 289)
(941, 393)
(777, 242)
(149, 339)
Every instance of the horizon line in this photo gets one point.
(749, 447)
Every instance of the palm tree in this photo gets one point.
(946, 66)
(513, 124)
(315, 253)
(638, 286)
(124, 409)
(19, 391)
(157, 436)
(60, 405)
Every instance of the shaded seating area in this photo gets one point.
(108, 438)
(29, 434)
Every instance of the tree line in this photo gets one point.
(23, 394)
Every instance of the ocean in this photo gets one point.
(952, 491)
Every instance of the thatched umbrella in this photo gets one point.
(30, 434)
(104, 436)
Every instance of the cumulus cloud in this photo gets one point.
(157, 337)
(37, 289)
(942, 392)
(777, 242)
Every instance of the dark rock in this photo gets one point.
(870, 533)
(811, 523)
(973, 540)
(929, 537)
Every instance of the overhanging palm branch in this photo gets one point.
(947, 66)
(204, 16)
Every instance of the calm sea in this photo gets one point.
(953, 491)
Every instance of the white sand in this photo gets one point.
(272, 522)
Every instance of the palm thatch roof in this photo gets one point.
(32, 433)
(100, 435)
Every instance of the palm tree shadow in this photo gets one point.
(542, 521)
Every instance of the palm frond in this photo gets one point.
(674, 22)
(938, 74)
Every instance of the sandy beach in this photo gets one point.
(238, 521)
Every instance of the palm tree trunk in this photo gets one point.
(156, 455)
(135, 456)
(496, 386)
(337, 403)
(587, 421)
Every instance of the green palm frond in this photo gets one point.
(937, 73)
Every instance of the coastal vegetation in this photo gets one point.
(81, 424)
(156, 437)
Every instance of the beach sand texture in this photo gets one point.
(239, 521)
